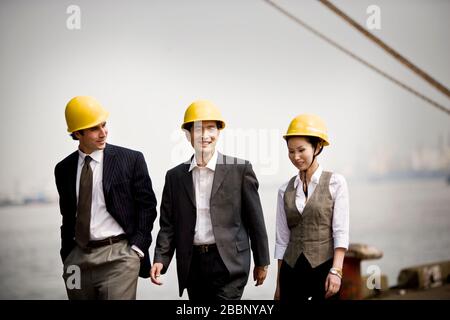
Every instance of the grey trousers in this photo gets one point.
(106, 273)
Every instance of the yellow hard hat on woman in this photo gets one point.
(84, 112)
(308, 125)
(203, 110)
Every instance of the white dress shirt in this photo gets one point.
(340, 224)
(103, 225)
(203, 178)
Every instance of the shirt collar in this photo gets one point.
(210, 165)
(314, 179)
(97, 155)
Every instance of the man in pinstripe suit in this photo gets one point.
(108, 208)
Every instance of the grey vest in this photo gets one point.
(311, 231)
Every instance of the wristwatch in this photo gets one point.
(337, 272)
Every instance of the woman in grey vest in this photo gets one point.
(312, 219)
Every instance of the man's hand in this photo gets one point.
(276, 295)
(155, 273)
(259, 275)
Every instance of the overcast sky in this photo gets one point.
(146, 61)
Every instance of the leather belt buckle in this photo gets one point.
(204, 248)
(105, 242)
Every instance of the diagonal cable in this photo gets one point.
(397, 56)
(354, 56)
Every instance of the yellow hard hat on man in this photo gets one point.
(84, 112)
(308, 125)
(203, 110)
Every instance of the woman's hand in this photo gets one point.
(332, 285)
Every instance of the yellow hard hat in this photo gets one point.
(308, 125)
(202, 110)
(84, 112)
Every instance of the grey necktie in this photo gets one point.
(83, 222)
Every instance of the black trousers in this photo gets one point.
(303, 283)
(209, 279)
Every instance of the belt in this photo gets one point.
(106, 242)
(204, 248)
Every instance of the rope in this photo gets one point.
(354, 56)
(388, 49)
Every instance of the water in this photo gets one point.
(409, 221)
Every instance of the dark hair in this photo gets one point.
(188, 126)
(314, 141)
(74, 137)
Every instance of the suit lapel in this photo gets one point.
(188, 184)
(219, 174)
(109, 165)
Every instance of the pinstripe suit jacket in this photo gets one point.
(236, 216)
(128, 194)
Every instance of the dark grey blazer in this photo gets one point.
(128, 194)
(236, 216)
